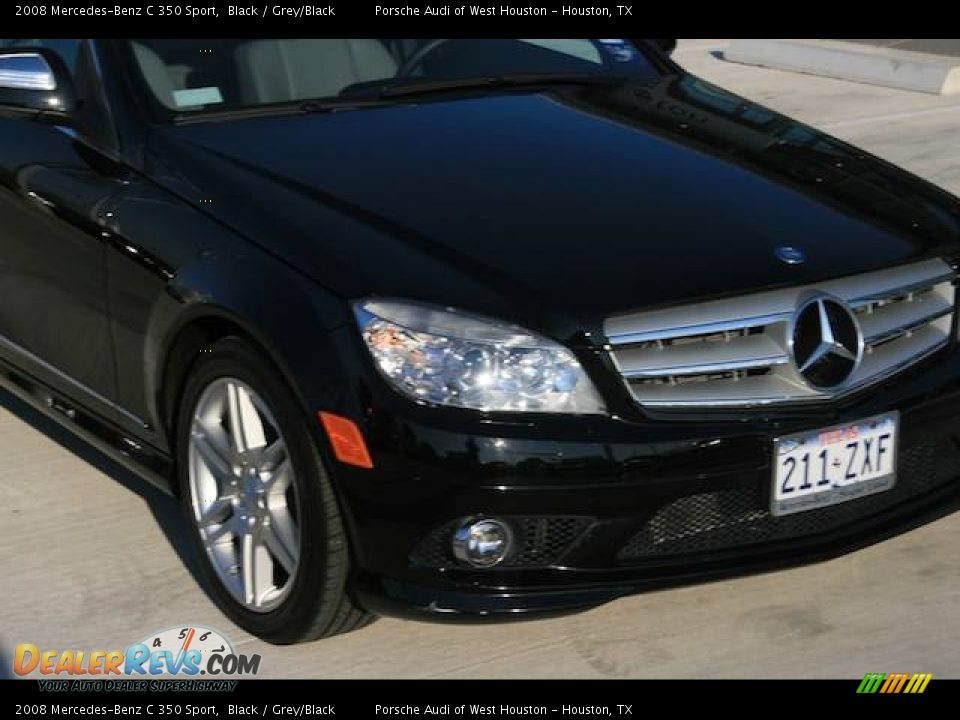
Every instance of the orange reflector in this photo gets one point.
(346, 439)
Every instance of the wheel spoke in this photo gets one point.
(213, 536)
(256, 569)
(216, 513)
(273, 455)
(246, 427)
(218, 459)
(248, 569)
(284, 551)
(280, 479)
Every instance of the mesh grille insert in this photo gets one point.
(740, 516)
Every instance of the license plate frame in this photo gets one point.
(867, 431)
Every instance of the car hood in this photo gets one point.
(556, 208)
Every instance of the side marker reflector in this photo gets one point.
(346, 440)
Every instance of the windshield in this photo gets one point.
(187, 77)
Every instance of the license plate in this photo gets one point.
(835, 464)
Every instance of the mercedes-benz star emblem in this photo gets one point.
(790, 255)
(826, 341)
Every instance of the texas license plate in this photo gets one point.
(835, 464)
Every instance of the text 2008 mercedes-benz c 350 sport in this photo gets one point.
(471, 328)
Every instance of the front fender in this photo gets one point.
(289, 317)
(172, 267)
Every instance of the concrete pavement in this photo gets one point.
(899, 64)
(92, 558)
(923, 45)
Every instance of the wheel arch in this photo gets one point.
(185, 348)
(305, 361)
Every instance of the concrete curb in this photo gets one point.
(935, 74)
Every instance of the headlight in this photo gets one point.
(453, 358)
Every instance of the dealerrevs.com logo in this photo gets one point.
(182, 651)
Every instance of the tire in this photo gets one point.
(264, 496)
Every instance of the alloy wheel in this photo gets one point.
(243, 494)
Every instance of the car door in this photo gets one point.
(54, 185)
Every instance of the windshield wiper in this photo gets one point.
(499, 81)
(304, 107)
(299, 107)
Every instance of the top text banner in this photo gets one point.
(302, 19)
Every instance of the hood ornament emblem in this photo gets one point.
(790, 255)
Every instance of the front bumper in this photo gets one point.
(611, 507)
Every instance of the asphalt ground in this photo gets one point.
(93, 558)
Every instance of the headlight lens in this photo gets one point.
(452, 358)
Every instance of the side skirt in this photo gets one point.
(143, 460)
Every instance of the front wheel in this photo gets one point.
(258, 500)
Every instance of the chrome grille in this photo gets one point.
(735, 352)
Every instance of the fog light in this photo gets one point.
(482, 543)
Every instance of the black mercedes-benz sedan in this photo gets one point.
(471, 328)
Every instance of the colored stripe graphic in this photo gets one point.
(871, 683)
(918, 683)
(894, 683)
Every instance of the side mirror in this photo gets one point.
(35, 81)
(666, 46)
